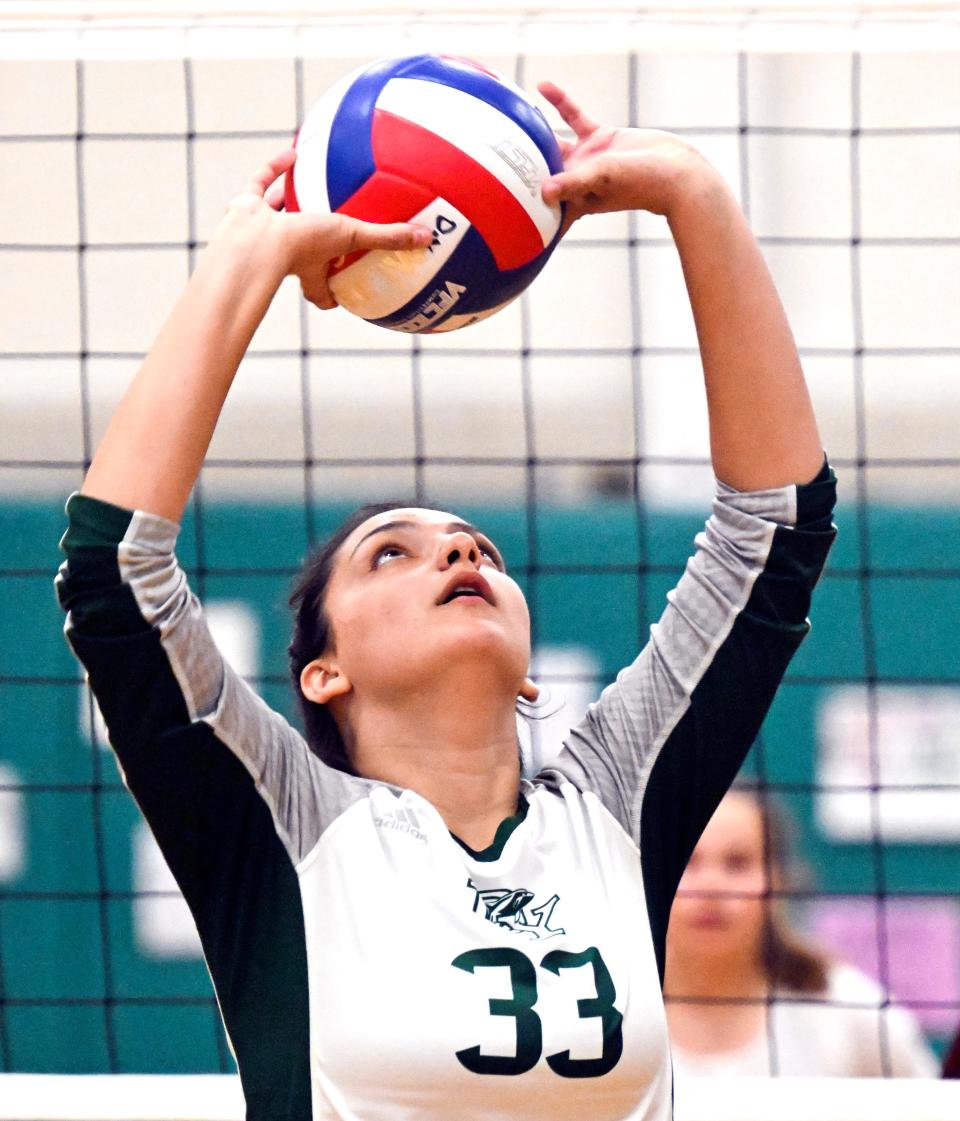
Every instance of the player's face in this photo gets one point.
(719, 908)
(415, 590)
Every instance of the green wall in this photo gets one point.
(77, 995)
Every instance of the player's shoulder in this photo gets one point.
(563, 803)
(553, 783)
(557, 793)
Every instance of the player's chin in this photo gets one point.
(485, 643)
(482, 635)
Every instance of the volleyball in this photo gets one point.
(446, 143)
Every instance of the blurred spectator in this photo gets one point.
(746, 995)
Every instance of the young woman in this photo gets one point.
(396, 925)
(745, 993)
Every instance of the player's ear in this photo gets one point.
(322, 679)
(529, 691)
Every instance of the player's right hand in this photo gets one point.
(306, 244)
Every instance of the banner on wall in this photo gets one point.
(888, 763)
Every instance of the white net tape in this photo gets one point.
(212, 1097)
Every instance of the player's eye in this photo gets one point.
(490, 552)
(386, 553)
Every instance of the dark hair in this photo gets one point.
(788, 960)
(313, 635)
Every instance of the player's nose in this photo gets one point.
(457, 547)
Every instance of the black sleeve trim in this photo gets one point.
(704, 752)
(816, 500)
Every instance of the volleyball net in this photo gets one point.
(572, 426)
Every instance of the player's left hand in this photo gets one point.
(608, 169)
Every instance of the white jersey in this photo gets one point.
(529, 964)
(370, 966)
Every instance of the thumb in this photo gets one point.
(588, 183)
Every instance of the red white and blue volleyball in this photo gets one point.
(446, 143)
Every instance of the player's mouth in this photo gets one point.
(466, 586)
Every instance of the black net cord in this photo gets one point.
(798, 894)
(637, 481)
(864, 583)
(6, 1059)
(197, 498)
(531, 530)
(520, 461)
(201, 572)
(96, 755)
(743, 160)
(799, 680)
(809, 999)
(283, 135)
(419, 441)
(104, 896)
(306, 402)
(581, 243)
(387, 352)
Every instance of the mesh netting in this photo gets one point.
(571, 425)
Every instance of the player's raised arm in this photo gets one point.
(663, 743)
(762, 428)
(155, 444)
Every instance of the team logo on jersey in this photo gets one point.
(512, 908)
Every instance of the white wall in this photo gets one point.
(135, 188)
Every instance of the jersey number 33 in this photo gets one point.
(529, 1029)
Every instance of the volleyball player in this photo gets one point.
(395, 924)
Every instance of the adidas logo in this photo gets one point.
(401, 821)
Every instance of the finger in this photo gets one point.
(270, 172)
(319, 294)
(370, 235)
(571, 113)
(550, 190)
(315, 286)
(274, 196)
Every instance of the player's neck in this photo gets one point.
(462, 757)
